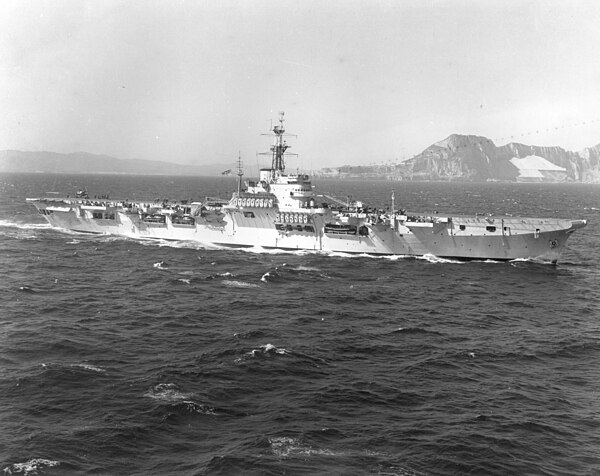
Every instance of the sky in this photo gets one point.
(360, 81)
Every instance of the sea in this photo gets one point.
(129, 357)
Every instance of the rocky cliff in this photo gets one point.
(475, 158)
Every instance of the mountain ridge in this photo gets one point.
(458, 157)
(88, 163)
(477, 158)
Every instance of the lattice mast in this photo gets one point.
(279, 148)
(240, 173)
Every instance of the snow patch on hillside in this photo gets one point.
(533, 166)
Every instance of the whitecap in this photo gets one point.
(25, 226)
(194, 407)
(520, 260)
(171, 394)
(266, 349)
(517, 261)
(107, 238)
(181, 244)
(341, 254)
(306, 268)
(184, 281)
(167, 392)
(239, 284)
(272, 348)
(285, 447)
(435, 259)
(89, 367)
(30, 467)
(82, 366)
(266, 251)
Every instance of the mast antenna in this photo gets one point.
(240, 172)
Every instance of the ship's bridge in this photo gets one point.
(293, 191)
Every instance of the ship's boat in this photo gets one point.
(283, 211)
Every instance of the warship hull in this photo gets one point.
(318, 229)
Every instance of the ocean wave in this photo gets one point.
(239, 284)
(91, 368)
(167, 392)
(267, 349)
(529, 261)
(302, 268)
(78, 366)
(171, 394)
(21, 228)
(435, 259)
(270, 348)
(249, 334)
(274, 251)
(287, 447)
(415, 330)
(279, 272)
(107, 238)
(177, 244)
(189, 245)
(25, 226)
(220, 275)
(30, 467)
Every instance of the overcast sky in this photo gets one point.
(360, 81)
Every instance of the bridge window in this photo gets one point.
(249, 214)
(491, 229)
(462, 227)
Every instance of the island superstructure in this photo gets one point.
(283, 211)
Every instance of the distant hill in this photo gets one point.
(456, 158)
(85, 163)
(477, 159)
